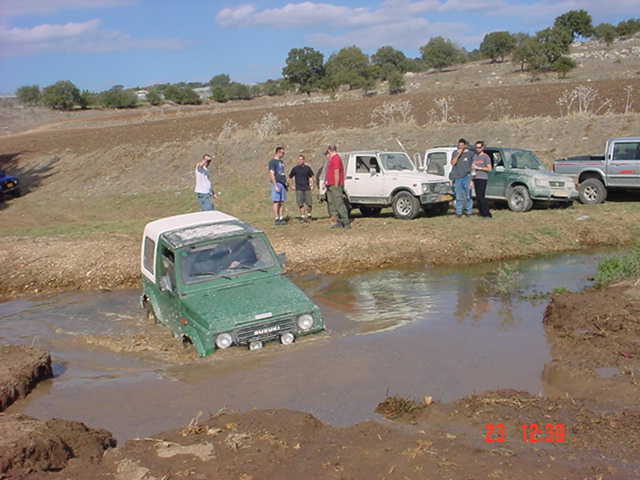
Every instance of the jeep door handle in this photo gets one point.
(349, 178)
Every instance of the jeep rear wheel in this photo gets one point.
(405, 206)
(370, 211)
(518, 199)
(592, 191)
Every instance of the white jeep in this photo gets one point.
(376, 179)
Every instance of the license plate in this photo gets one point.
(9, 185)
(445, 198)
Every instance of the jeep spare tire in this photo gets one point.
(592, 191)
(518, 199)
(405, 206)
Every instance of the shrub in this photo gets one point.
(154, 97)
(182, 95)
(440, 53)
(117, 98)
(62, 95)
(497, 45)
(268, 126)
(606, 33)
(219, 95)
(29, 94)
(229, 130)
(563, 65)
(628, 27)
(396, 83)
(391, 113)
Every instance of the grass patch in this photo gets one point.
(503, 282)
(395, 407)
(619, 268)
(548, 231)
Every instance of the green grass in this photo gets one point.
(619, 268)
(548, 231)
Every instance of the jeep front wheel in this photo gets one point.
(518, 199)
(405, 206)
(592, 191)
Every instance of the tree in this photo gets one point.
(554, 42)
(349, 66)
(606, 33)
(222, 80)
(497, 45)
(238, 91)
(118, 98)
(389, 60)
(29, 94)
(577, 22)
(219, 95)
(62, 95)
(529, 54)
(396, 83)
(154, 97)
(629, 27)
(88, 99)
(563, 65)
(304, 68)
(440, 53)
(182, 95)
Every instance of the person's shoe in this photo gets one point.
(347, 226)
(277, 221)
(458, 215)
(336, 225)
(468, 214)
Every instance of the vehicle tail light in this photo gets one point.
(184, 321)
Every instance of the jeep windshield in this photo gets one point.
(396, 161)
(226, 258)
(523, 159)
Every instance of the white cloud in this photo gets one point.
(74, 37)
(12, 8)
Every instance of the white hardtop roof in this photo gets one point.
(625, 139)
(156, 228)
(369, 152)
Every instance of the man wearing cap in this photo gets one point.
(204, 188)
(334, 181)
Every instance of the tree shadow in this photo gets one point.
(30, 177)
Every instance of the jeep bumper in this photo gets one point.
(429, 198)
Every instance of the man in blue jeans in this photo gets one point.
(204, 188)
(461, 177)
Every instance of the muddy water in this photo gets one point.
(429, 331)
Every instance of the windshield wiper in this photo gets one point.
(211, 274)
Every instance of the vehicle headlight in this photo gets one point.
(224, 340)
(443, 187)
(305, 322)
(542, 182)
(425, 188)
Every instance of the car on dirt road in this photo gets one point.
(9, 185)
(517, 177)
(215, 281)
(375, 179)
(617, 169)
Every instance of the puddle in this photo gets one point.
(414, 332)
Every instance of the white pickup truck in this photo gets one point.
(375, 180)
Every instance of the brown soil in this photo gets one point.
(441, 442)
(28, 445)
(21, 368)
(595, 343)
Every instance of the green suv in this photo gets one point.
(216, 282)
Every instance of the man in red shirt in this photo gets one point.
(334, 179)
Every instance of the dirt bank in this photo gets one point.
(439, 442)
(28, 445)
(21, 368)
(595, 343)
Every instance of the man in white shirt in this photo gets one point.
(204, 189)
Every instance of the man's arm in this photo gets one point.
(456, 156)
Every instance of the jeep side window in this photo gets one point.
(149, 249)
(436, 162)
(626, 151)
(373, 164)
(361, 165)
(168, 268)
(496, 159)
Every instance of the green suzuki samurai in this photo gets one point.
(216, 282)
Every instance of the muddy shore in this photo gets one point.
(21, 368)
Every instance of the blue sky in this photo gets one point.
(101, 43)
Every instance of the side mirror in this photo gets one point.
(282, 258)
(499, 168)
(165, 284)
(372, 172)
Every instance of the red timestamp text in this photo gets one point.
(530, 433)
